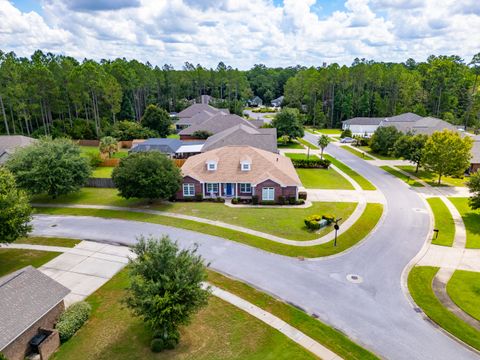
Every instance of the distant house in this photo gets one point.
(278, 101)
(8, 144)
(214, 125)
(30, 304)
(362, 126)
(241, 134)
(475, 161)
(239, 171)
(255, 102)
(174, 148)
(195, 114)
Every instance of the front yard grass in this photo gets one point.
(102, 172)
(14, 259)
(289, 145)
(356, 152)
(405, 178)
(369, 151)
(464, 290)
(121, 153)
(359, 230)
(219, 331)
(49, 241)
(324, 334)
(420, 287)
(323, 179)
(431, 178)
(283, 222)
(329, 131)
(471, 219)
(443, 222)
(308, 144)
(364, 183)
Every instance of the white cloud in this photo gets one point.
(243, 32)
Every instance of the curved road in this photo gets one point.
(375, 313)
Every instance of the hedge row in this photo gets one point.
(312, 222)
(72, 320)
(311, 163)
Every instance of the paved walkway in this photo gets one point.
(369, 196)
(324, 239)
(86, 267)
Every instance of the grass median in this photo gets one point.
(464, 290)
(359, 230)
(420, 287)
(471, 219)
(364, 183)
(398, 174)
(356, 152)
(443, 222)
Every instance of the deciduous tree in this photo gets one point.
(410, 147)
(157, 119)
(288, 123)
(474, 186)
(383, 139)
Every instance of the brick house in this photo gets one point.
(475, 161)
(239, 171)
(30, 304)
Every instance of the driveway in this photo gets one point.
(260, 116)
(373, 311)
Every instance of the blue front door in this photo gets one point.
(229, 189)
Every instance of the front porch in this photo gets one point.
(227, 190)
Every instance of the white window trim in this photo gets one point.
(213, 185)
(211, 166)
(244, 185)
(245, 166)
(188, 187)
(269, 198)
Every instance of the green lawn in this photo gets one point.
(284, 222)
(37, 240)
(173, 136)
(289, 145)
(323, 179)
(443, 222)
(95, 150)
(301, 156)
(308, 144)
(464, 289)
(401, 176)
(356, 152)
(102, 172)
(368, 150)
(420, 286)
(219, 331)
(329, 131)
(471, 219)
(431, 178)
(364, 183)
(14, 259)
(324, 334)
(360, 229)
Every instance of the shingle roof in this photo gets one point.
(363, 121)
(216, 124)
(241, 134)
(196, 108)
(476, 151)
(197, 118)
(426, 125)
(8, 144)
(25, 296)
(265, 165)
(164, 145)
(405, 117)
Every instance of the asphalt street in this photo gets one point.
(373, 310)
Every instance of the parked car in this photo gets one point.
(347, 140)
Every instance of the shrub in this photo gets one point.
(156, 345)
(302, 195)
(300, 202)
(255, 199)
(235, 201)
(361, 141)
(202, 134)
(292, 200)
(281, 200)
(219, 200)
(94, 159)
(198, 197)
(329, 217)
(312, 222)
(3, 357)
(311, 163)
(346, 133)
(72, 319)
(129, 130)
(269, 202)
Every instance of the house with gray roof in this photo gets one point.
(8, 144)
(241, 134)
(278, 101)
(475, 161)
(362, 126)
(29, 302)
(214, 125)
(173, 148)
(255, 101)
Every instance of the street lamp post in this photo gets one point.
(336, 227)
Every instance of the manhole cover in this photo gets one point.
(354, 278)
(54, 225)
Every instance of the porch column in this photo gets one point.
(203, 189)
(236, 189)
(220, 189)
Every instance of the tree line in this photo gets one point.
(48, 94)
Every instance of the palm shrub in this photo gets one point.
(72, 319)
(108, 145)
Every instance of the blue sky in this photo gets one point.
(242, 33)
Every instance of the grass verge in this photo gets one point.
(431, 178)
(471, 219)
(360, 229)
(464, 290)
(102, 172)
(14, 259)
(38, 240)
(324, 334)
(308, 144)
(364, 183)
(443, 222)
(369, 151)
(405, 178)
(356, 152)
(420, 287)
(323, 179)
(219, 331)
(290, 145)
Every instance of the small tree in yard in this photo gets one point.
(202, 134)
(288, 123)
(474, 186)
(108, 145)
(323, 142)
(148, 175)
(158, 119)
(446, 153)
(346, 133)
(166, 288)
(54, 167)
(410, 147)
(383, 139)
(15, 210)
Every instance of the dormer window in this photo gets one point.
(245, 163)
(211, 165)
(246, 166)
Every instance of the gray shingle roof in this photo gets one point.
(216, 124)
(265, 139)
(426, 125)
(406, 117)
(165, 145)
(8, 144)
(196, 119)
(25, 296)
(196, 108)
(363, 121)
